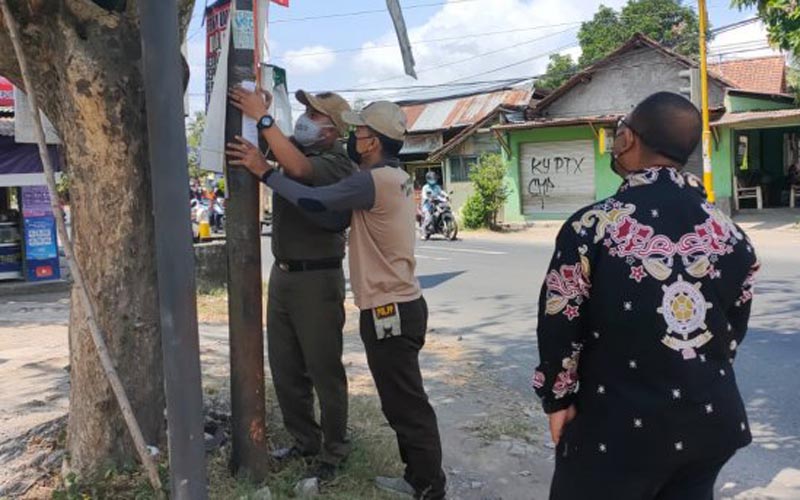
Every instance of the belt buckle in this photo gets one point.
(283, 266)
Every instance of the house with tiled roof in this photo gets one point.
(766, 75)
(558, 158)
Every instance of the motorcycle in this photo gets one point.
(442, 220)
(217, 215)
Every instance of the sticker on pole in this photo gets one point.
(243, 33)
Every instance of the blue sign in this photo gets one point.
(39, 235)
(41, 248)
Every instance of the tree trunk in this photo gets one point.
(113, 237)
(85, 61)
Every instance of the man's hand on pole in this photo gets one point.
(559, 420)
(245, 154)
(252, 104)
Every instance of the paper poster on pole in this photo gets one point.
(249, 128)
(212, 146)
(243, 33)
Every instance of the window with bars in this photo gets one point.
(460, 167)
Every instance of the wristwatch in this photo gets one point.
(265, 122)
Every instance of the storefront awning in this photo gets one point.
(760, 119)
(22, 158)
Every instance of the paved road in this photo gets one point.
(486, 291)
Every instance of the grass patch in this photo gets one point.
(496, 427)
(212, 307)
(374, 453)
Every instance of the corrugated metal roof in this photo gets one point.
(462, 111)
(560, 122)
(774, 118)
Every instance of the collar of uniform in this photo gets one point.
(386, 162)
(662, 175)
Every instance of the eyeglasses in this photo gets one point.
(624, 123)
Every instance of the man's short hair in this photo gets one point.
(391, 147)
(668, 124)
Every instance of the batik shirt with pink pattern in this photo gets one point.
(645, 303)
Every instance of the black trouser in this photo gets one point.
(592, 475)
(305, 317)
(394, 363)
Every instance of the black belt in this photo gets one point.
(294, 266)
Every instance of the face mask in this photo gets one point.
(616, 167)
(352, 152)
(307, 132)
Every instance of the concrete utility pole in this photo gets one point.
(708, 179)
(243, 233)
(169, 176)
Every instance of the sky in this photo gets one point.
(351, 46)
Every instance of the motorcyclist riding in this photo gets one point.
(430, 192)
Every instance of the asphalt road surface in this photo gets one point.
(486, 291)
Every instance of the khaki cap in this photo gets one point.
(383, 117)
(329, 104)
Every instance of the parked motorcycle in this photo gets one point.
(442, 221)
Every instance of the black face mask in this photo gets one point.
(352, 152)
(616, 168)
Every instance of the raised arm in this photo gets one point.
(356, 192)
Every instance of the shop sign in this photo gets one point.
(40, 241)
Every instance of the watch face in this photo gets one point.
(266, 121)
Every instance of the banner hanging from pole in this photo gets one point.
(212, 146)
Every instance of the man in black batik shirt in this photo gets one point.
(645, 303)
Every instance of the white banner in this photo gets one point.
(212, 146)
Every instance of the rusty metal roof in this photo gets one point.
(761, 119)
(560, 122)
(461, 111)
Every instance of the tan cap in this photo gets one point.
(329, 104)
(383, 117)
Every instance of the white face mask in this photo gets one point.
(307, 132)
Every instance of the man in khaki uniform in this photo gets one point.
(394, 314)
(305, 306)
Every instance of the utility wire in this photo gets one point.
(364, 12)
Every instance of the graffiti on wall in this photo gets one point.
(547, 170)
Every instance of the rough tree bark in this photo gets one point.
(85, 58)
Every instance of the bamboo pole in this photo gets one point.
(102, 350)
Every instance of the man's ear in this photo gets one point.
(626, 141)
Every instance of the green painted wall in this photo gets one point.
(738, 104)
(722, 160)
(606, 181)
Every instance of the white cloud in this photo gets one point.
(749, 40)
(309, 60)
(524, 50)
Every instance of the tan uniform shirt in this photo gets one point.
(382, 262)
(382, 236)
